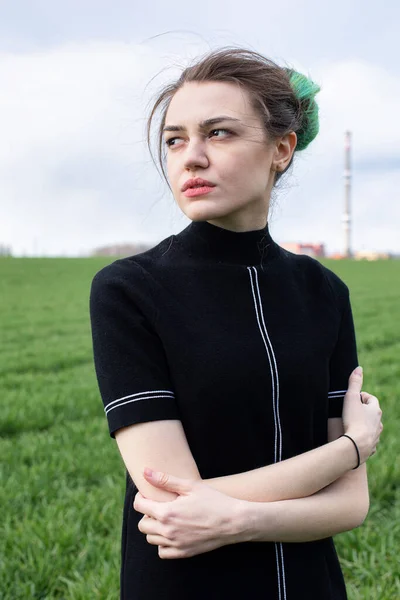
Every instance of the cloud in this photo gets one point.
(364, 98)
(72, 144)
(74, 167)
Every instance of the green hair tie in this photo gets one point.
(305, 90)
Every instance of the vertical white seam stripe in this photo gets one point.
(278, 569)
(270, 366)
(274, 372)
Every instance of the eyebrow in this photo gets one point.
(202, 124)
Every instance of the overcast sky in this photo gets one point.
(76, 80)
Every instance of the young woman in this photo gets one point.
(227, 363)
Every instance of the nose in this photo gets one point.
(195, 155)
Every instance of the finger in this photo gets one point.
(168, 552)
(147, 506)
(355, 381)
(366, 397)
(168, 482)
(158, 540)
(373, 401)
(150, 526)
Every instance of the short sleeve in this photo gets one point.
(343, 361)
(129, 357)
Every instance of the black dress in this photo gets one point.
(251, 347)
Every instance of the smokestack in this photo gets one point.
(347, 189)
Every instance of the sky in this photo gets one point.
(78, 78)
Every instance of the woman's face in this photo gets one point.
(234, 155)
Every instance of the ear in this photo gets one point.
(285, 146)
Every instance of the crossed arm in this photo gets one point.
(307, 497)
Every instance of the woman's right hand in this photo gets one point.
(362, 420)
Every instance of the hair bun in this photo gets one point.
(305, 91)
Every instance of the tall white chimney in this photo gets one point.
(347, 189)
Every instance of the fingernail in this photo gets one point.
(358, 370)
(148, 472)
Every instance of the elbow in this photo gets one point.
(364, 511)
(361, 512)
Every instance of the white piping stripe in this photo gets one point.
(280, 563)
(278, 569)
(270, 366)
(283, 571)
(276, 371)
(164, 394)
(279, 424)
(139, 394)
(337, 392)
(135, 400)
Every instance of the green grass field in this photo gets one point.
(62, 478)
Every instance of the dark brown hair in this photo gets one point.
(283, 97)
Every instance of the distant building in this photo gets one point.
(363, 255)
(120, 250)
(5, 250)
(371, 255)
(314, 250)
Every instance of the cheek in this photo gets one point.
(243, 174)
(232, 170)
(174, 176)
(246, 162)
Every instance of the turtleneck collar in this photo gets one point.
(205, 240)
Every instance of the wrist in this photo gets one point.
(362, 443)
(249, 519)
(355, 448)
(237, 524)
(350, 456)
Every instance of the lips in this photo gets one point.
(196, 182)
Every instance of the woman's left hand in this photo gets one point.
(200, 519)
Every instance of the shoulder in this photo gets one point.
(120, 287)
(319, 276)
(122, 273)
(129, 282)
(131, 271)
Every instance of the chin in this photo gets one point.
(199, 211)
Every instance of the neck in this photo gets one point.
(205, 240)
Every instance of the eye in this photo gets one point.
(169, 142)
(226, 130)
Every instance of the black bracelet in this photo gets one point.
(355, 445)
